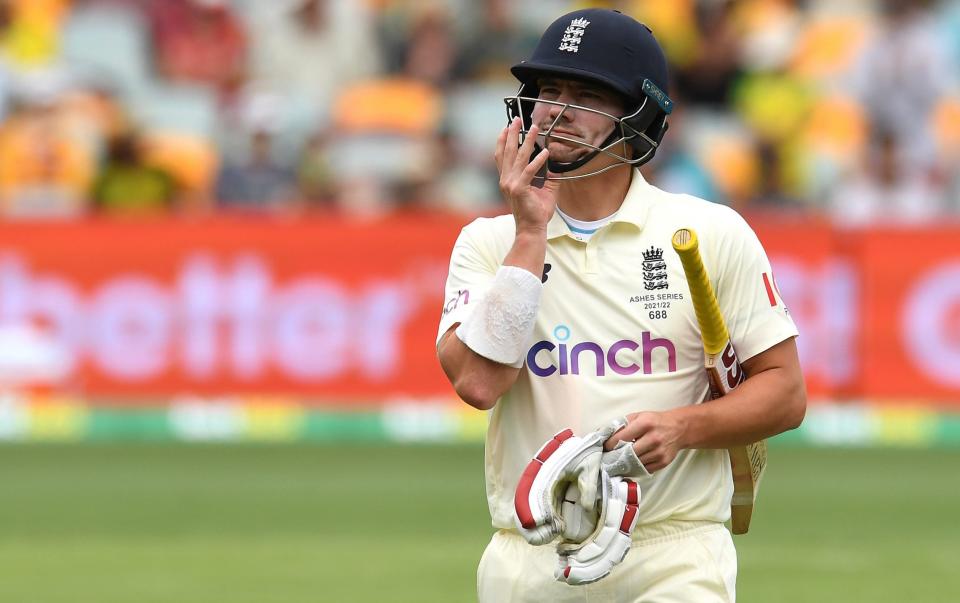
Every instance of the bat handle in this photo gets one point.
(713, 330)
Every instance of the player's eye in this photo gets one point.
(591, 96)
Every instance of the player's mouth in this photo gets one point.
(563, 138)
(561, 133)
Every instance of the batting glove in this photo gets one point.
(564, 459)
(595, 557)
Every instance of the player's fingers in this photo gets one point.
(645, 447)
(501, 142)
(511, 144)
(616, 438)
(634, 429)
(534, 166)
(526, 149)
(652, 451)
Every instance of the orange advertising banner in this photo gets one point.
(910, 313)
(336, 309)
(326, 307)
(818, 285)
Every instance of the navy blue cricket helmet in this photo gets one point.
(610, 49)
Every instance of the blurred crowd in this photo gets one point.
(843, 108)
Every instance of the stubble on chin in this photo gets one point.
(566, 153)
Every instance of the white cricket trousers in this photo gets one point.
(669, 562)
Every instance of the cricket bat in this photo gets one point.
(724, 372)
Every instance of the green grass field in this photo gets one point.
(206, 524)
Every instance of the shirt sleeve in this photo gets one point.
(471, 272)
(756, 314)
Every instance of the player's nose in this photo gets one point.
(561, 109)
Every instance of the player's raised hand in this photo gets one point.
(656, 438)
(532, 207)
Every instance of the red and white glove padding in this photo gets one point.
(563, 460)
(596, 556)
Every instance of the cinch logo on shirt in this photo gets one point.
(588, 353)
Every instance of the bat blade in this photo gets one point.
(724, 373)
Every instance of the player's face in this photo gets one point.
(570, 122)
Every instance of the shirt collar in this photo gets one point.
(633, 210)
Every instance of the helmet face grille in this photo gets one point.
(642, 129)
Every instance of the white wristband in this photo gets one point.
(501, 325)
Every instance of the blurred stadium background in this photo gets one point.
(224, 229)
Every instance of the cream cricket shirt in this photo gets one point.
(616, 333)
